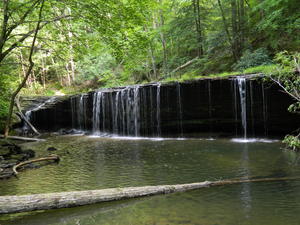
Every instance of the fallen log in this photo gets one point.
(21, 138)
(26, 203)
(51, 157)
(184, 65)
(23, 117)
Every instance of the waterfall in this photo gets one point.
(158, 110)
(28, 117)
(116, 113)
(179, 107)
(136, 111)
(82, 114)
(28, 114)
(97, 97)
(241, 81)
(103, 107)
(123, 111)
(128, 109)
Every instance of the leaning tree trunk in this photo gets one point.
(21, 85)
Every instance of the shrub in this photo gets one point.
(252, 59)
(292, 142)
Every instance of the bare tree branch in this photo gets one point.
(293, 95)
(28, 34)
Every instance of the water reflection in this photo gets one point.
(246, 187)
(95, 163)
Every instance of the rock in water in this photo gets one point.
(51, 149)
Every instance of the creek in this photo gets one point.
(95, 162)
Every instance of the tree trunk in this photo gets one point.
(151, 50)
(226, 27)
(197, 16)
(26, 203)
(21, 85)
(68, 75)
(163, 40)
(70, 35)
(235, 36)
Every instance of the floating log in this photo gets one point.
(26, 203)
(51, 157)
(21, 138)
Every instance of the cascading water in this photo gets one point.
(124, 112)
(116, 113)
(241, 81)
(97, 97)
(82, 114)
(78, 112)
(28, 113)
(158, 110)
(103, 107)
(136, 111)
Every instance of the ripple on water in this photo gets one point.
(95, 163)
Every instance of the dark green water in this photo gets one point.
(95, 163)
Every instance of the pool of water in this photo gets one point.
(95, 163)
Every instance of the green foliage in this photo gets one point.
(95, 66)
(251, 59)
(292, 142)
(278, 24)
(287, 75)
(7, 85)
(265, 69)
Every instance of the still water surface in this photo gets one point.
(95, 163)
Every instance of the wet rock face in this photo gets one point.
(210, 107)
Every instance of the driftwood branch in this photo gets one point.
(23, 117)
(25, 203)
(184, 65)
(52, 157)
(21, 138)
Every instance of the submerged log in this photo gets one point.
(51, 157)
(21, 138)
(25, 203)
